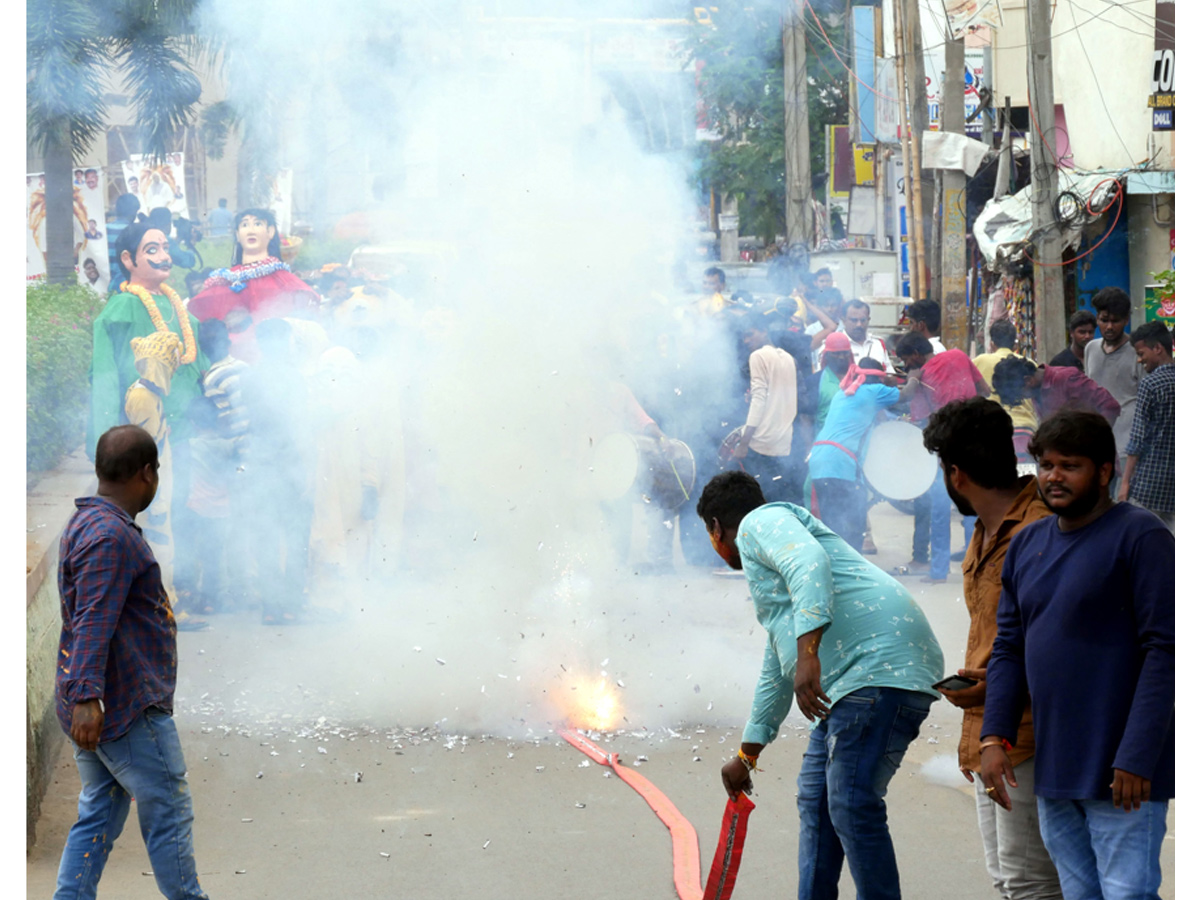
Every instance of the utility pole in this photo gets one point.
(1050, 318)
(955, 318)
(796, 159)
(918, 99)
(914, 118)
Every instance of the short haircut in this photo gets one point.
(822, 271)
(873, 364)
(855, 303)
(222, 203)
(913, 343)
(713, 270)
(1082, 317)
(211, 333)
(729, 497)
(1113, 301)
(786, 306)
(160, 218)
(127, 206)
(1008, 379)
(122, 452)
(977, 436)
(89, 260)
(1076, 433)
(1153, 334)
(90, 172)
(131, 238)
(927, 311)
(1003, 333)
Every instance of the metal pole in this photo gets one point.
(915, 117)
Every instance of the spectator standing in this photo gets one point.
(1096, 581)
(1112, 363)
(1082, 329)
(713, 301)
(1149, 479)
(1051, 388)
(925, 319)
(857, 654)
(1003, 335)
(973, 440)
(863, 344)
(765, 444)
(115, 680)
(220, 220)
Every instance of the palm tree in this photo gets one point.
(72, 46)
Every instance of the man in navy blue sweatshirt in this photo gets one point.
(1086, 628)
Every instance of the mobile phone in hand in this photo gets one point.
(955, 683)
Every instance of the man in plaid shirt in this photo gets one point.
(1149, 478)
(115, 682)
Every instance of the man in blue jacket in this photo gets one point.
(1086, 629)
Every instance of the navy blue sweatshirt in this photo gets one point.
(1086, 626)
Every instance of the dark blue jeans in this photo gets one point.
(851, 757)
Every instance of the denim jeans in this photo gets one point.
(939, 529)
(851, 757)
(147, 765)
(1101, 851)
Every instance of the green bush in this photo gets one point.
(58, 354)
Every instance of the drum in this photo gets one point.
(634, 465)
(896, 463)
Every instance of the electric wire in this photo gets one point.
(1099, 89)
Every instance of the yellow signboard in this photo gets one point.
(864, 164)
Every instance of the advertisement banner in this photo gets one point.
(87, 214)
(1162, 77)
(936, 83)
(966, 16)
(157, 183)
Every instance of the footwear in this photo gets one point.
(185, 621)
(929, 579)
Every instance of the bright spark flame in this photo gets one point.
(595, 707)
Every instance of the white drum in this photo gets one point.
(632, 464)
(896, 463)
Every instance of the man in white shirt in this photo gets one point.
(765, 445)
(863, 344)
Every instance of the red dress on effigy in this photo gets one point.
(266, 289)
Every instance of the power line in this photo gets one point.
(1100, 90)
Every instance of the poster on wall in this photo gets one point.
(90, 240)
(966, 16)
(1162, 78)
(972, 81)
(157, 183)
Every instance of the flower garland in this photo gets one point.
(185, 325)
(239, 275)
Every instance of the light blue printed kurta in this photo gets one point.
(802, 577)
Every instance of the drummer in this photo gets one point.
(835, 465)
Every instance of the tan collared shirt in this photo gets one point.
(981, 586)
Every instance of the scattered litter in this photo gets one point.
(475, 536)
(259, 775)
(235, 872)
(695, 688)
(643, 759)
(620, 683)
(695, 759)
(511, 755)
(485, 844)
(247, 820)
(933, 740)
(440, 661)
(385, 855)
(418, 649)
(357, 777)
(274, 752)
(585, 763)
(581, 806)
(541, 544)
(710, 707)
(322, 750)
(605, 663)
(539, 768)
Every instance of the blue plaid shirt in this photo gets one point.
(1152, 441)
(118, 634)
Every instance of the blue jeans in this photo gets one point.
(939, 529)
(851, 757)
(146, 764)
(1102, 852)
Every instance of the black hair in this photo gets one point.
(131, 237)
(122, 452)
(1113, 301)
(824, 270)
(273, 247)
(127, 206)
(1008, 379)
(160, 218)
(1153, 334)
(1082, 317)
(1076, 433)
(210, 334)
(977, 436)
(713, 270)
(1003, 333)
(873, 364)
(856, 303)
(927, 311)
(729, 497)
(913, 343)
(222, 202)
(786, 306)
(89, 260)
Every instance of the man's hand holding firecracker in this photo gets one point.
(735, 774)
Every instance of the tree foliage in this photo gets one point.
(740, 55)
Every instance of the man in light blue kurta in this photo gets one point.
(857, 653)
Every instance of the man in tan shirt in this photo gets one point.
(973, 441)
(765, 446)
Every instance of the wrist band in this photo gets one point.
(750, 762)
(1001, 743)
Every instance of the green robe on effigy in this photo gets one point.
(113, 371)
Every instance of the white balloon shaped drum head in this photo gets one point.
(897, 464)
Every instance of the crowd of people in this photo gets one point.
(248, 403)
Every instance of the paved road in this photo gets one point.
(314, 751)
